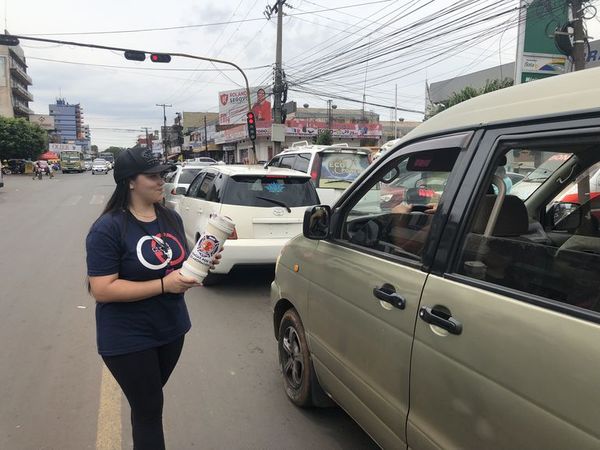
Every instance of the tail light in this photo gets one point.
(314, 173)
(426, 193)
(234, 235)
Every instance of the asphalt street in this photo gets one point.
(55, 394)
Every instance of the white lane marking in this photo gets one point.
(97, 199)
(73, 201)
(108, 434)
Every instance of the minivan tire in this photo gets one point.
(299, 378)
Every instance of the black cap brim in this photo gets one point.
(161, 168)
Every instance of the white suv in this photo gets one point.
(332, 167)
(266, 205)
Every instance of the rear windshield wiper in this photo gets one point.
(277, 202)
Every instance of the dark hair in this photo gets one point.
(119, 203)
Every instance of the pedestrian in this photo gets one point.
(50, 170)
(134, 252)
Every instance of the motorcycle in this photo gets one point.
(39, 173)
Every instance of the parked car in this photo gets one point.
(332, 167)
(16, 166)
(203, 160)
(471, 321)
(266, 205)
(178, 182)
(100, 166)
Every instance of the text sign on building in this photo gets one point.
(43, 120)
(537, 54)
(57, 148)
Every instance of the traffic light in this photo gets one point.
(8, 40)
(251, 125)
(133, 55)
(160, 57)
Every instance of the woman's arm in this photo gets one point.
(110, 288)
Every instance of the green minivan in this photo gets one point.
(466, 315)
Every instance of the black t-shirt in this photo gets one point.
(120, 244)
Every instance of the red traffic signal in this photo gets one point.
(133, 55)
(250, 119)
(8, 40)
(160, 57)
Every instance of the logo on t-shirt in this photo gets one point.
(156, 252)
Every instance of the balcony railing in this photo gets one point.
(19, 72)
(21, 108)
(20, 91)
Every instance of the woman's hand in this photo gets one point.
(216, 260)
(175, 283)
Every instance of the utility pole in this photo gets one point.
(278, 86)
(396, 114)
(148, 145)
(205, 136)
(164, 133)
(579, 37)
(329, 115)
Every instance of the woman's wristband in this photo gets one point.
(162, 285)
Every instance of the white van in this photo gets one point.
(332, 167)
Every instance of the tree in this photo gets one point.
(324, 138)
(21, 139)
(94, 149)
(468, 93)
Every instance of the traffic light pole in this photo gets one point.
(12, 39)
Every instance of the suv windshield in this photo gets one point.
(268, 191)
(338, 169)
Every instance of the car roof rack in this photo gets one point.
(300, 144)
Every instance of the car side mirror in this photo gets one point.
(181, 191)
(317, 221)
(565, 216)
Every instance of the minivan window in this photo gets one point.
(337, 170)
(538, 166)
(268, 191)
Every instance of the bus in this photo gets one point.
(109, 157)
(72, 161)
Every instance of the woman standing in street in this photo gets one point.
(134, 252)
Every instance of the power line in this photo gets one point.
(201, 25)
(144, 68)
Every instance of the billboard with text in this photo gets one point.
(233, 105)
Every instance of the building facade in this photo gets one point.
(14, 83)
(68, 124)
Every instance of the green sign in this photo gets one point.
(537, 54)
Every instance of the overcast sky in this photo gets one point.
(117, 101)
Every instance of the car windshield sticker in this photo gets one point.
(275, 187)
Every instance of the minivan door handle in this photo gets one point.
(387, 293)
(441, 319)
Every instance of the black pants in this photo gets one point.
(142, 376)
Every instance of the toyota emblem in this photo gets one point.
(278, 212)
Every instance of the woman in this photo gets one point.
(134, 251)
